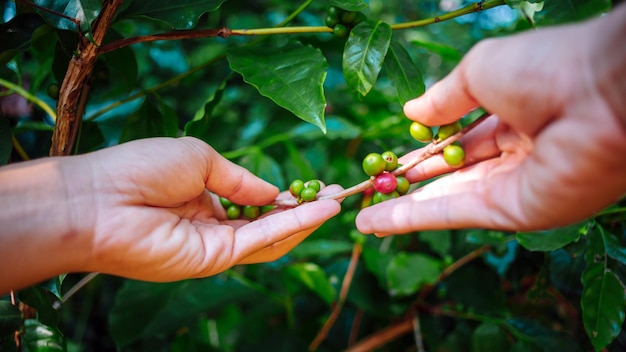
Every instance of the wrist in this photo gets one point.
(40, 236)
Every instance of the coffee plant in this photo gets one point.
(296, 91)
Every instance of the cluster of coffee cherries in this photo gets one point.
(385, 185)
(305, 192)
(342, 21)
(249, 212)
(453, 154)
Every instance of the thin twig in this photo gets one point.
(80, 284)
(356, 324)
(451, 269)
(226, 32)
(403, 327)
(428, 151)
(382, 337)
(417, 333)
(345, 287)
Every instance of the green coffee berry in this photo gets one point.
(308, 194)
(315, 184)
(420, 132)
(225, 202)
(403, 185)
(53, 91)
(331, 20)
(266, 209)
(251, 211)
(384, 197)
(374, 164)
(377, 197)
(333, 10)
(454, 155)
(296, 187)
(340, 30)
(391, 160)
(233, 212)
(348, 17)
(448, 130)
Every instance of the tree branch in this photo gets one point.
(78, 72)
(427, 152)
(345, 287)
(226, 32)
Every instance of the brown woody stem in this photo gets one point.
(76, 77)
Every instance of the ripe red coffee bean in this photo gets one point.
(385, 183)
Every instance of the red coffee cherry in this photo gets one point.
(385, 183)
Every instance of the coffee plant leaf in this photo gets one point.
(292, 76)
(6, 146)
(350, 5)
(489, 337)
(10, 318)
(314, 278)
(152, 119)
(182, 14)
(603, 298)
(85, 11)
(446, 52)
(16, 34)
(143, 309)
(408, 272)
(320, 248)
(265, 167)
(403, 73)
(364, 54)
(550, 240)
(39, 337)
(533, 336)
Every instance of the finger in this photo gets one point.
(444, 102)
(459, 200)
(479, 144)
(266, 231)
(230, 180)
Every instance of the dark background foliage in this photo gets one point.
(468, 290)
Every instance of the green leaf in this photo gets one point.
(614, 249)
(292, 76)
(407, 273)
(550, 240)
(265, 167)
(183, 14)
(200, 126)
(317, 248)
(489, 337)
(565, 11)
(314, 278)
(403, 73)
(16, 34)
(150, 120)
(537, 337)
(6, 140)
(350, 5)
(483, 237)
(439, 241)
(336, 128)
(122, 64)
(364, 54)
(53, 285)
(42, 300)
(41, 338)
(446, 52)
(603, 298)
(144, 309)
(84, 11)
(10, 318)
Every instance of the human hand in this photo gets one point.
(551, 154)
(153, 217)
